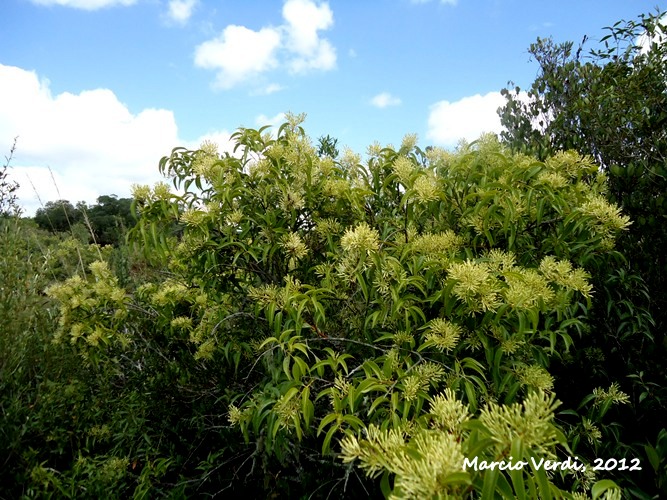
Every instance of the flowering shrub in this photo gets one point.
(403, 311)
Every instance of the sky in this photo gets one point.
(97, 91)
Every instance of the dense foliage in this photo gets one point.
(105, 222)
(289, 320)
(399, 315)
(612, 104)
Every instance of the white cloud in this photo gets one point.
(85, 4)
(219, 137)
(240, 54)
(304, 19)
(385, 99)
(274, 121)
(269, 89)
(446, 2)
(180, 11)
(93, 143)
(467, 118)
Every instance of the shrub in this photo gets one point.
(405, 310)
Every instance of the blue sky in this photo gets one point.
(98, 90)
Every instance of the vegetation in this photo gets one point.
(612, 105)
(104, 223)
(290, 320)
(8, 205)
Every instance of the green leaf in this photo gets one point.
(326, 421)
(326, 444)
(601, 486)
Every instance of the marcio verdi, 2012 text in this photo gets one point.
(568, 464)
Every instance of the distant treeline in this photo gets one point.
(105, 222)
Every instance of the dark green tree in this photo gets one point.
(109, 218)
(610, 103)
(58, 216)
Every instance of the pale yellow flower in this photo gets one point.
(427, 188)
(442, 334)
(362, 239)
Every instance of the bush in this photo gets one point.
(406, 311)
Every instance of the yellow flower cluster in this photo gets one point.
(361, 239)
(562, 273)
(374, 150)
(181, 323)
(409, 142)
(113, 469)
(442, 334)
(500, 261)
(535, 376)
(612, 395)
(266, 294)
(403, 169)
(350, 160)
(440, 456)
(412, 386)
(234, 415)
(426, 188)
(162, 191)
(606, 219)
(194, 217)
(327, 227)
(448, 413)
(336, 188)
(571, 164)
(260, 168)
(292, 199)
(593, 434)
(170, 292)
(527, 289)
(430, 244)
(475, 285)
(287, 409)
(342, 385)
(374, 450)
(532, 422)
(234, 218)
(403, 337)
(554, 180)
(429, 372)
(91, 311)
(294, 246)
(439, 453)
(141, 192)
(205, 159)
(438, 157)
(206, 350)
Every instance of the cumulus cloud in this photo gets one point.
(385, 99)
(303, 21)
(92, 142)
(467, 118)
(240, 54)
(180, 11)
(84, 4)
